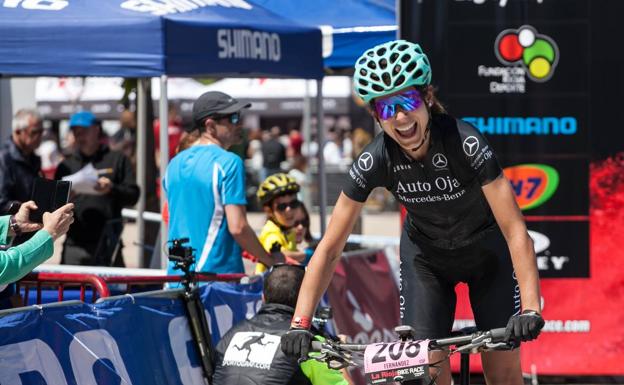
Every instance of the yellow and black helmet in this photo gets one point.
(276, 185)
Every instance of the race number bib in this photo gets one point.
(396, 361)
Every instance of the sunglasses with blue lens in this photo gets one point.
(409, 100)
(233, 118)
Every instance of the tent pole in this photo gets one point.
(321, 160)
(164, 160)
(141, 158)
(307, 139)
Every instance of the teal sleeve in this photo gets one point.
(4, 230)
(319, 374)
(18, 261)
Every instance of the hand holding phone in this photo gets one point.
(49, 195)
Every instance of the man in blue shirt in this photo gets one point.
(205, 187)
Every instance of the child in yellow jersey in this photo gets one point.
(278, 196)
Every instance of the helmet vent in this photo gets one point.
(386, 79)
(396, 69)
(393, 45)
(378, 88)
(372, 65)
(403, 47)
(383, 63)
(374, 77)
(399, 81)
(362, 92)
(410, 67)
(363, 72)
(363, 82)
(362, 60)
(394, 57)
(418, 73)
(405, 58)
(370, 53)
(381, 51)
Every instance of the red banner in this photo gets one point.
(364, 299)
(583, 333)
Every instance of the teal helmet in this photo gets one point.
(389, 67)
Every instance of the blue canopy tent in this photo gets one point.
(349, 26)
(149, 38)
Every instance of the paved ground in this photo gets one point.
(377, 224)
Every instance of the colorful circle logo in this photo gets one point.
(537, 53)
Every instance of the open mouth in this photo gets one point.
(407, 132)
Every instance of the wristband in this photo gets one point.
(14, 226)
(531, 312)
(301, 322)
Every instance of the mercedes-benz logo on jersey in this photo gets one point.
(471, 145)
(439, 160)
(365, 161)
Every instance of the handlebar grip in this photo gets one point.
(498, 335)
(316, 346)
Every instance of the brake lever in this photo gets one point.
(499, 346)
(333, 356)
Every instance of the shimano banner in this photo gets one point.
(126, 340)
(519, 73)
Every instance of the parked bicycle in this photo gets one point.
(407, 359)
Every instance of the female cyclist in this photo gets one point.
(462, 225)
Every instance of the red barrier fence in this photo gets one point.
(99, 285)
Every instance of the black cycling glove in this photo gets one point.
(296, 343)
(524, 327)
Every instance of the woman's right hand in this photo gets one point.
(57, 223)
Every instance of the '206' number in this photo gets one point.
(396, 350)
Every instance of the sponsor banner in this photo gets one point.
(363, 312)
(549, 186)
(227, 304)
(489, 10)
(128, 340)
(83, 344)
(365, 300)
(562, 248)
(516, 60)
(536, 126)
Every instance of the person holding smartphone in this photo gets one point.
(17, 261)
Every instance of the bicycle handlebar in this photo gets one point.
(478, 339)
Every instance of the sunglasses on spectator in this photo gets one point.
(234, 118)
(408, 100)
(302, 222)
(284, 205)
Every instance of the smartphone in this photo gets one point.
(48, 195)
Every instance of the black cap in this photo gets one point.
(216, 103)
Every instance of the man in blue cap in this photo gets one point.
(94, 239)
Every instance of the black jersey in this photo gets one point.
(441, 192)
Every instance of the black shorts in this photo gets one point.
(429, 276)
